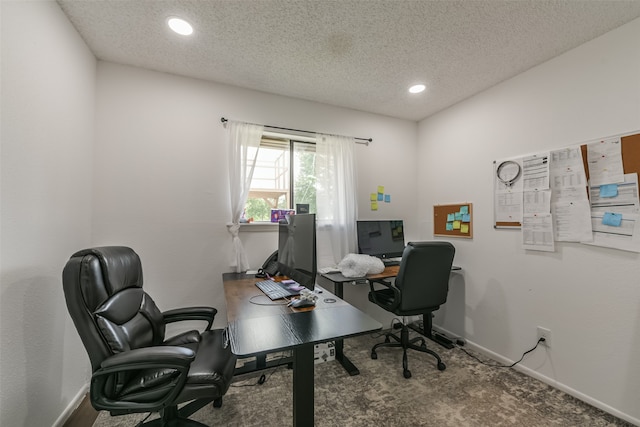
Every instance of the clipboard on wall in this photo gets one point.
(630, 147)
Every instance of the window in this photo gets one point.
(282, 164)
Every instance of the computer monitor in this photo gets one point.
(381, 238)
(297, 249)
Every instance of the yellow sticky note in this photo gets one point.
(464, 228)
(381, 189)
(456, 225)
(374, 197)
(374, 206)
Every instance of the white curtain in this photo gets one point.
(336, 197)
(244, 143)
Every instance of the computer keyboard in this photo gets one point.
(274, 290)
(390, 262)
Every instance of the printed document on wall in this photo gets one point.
(621, 197)
(622, 234)
(604, 159)
(537, 232)
(537, 201)
(567, 169)
(615, 214)
(569, 194)
(535, 172)
(508, 206)
(572, 221)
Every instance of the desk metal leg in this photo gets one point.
(337, 289)
(340, 357)
(344, 360)
(427, 331)
(303, 386)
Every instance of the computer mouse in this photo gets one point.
(301, 303)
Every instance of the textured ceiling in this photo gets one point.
(356, 54)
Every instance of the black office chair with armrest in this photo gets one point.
(135, 369)
(420, 287)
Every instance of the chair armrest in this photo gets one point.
(148, 357)
(191, 313)
(160, 357)
(389, 285)
(384, 282)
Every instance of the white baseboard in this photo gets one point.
(550, 381)
(73, 405)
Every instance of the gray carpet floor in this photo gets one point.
(467, 393)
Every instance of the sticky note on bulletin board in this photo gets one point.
(454, 220)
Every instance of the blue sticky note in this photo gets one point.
(458, 216)
(387, 198)
(609, 190)
(449, 226)
(464, 209)
(612, 219)
(450, 217)
(380, 196)
(466, 218)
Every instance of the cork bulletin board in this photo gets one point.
(454, 220)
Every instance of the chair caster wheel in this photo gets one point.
(406, 373)
(374, 355)
(217, 403)
(441, 366)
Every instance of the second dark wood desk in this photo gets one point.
(258, 329)
(338, 281)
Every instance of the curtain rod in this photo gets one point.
(364, 141)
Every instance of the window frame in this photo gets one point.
(292, 140)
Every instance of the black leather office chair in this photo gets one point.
(135, 369)
(420, 287)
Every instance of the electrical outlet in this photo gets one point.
(546, 334)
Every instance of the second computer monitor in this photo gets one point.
(381, 238)
(297, 249)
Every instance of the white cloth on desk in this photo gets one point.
(359, 265)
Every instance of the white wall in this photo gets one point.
(589, 297)
(160, 185)
(161, 176)
(48, 80)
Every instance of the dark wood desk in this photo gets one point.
(258, 329)
(338, 281)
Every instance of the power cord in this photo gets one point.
(263, 378)
(271, 303)
(394, 321)
(459, 344)
(504, 366)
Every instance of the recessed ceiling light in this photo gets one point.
(180, 26)
(417, 88)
